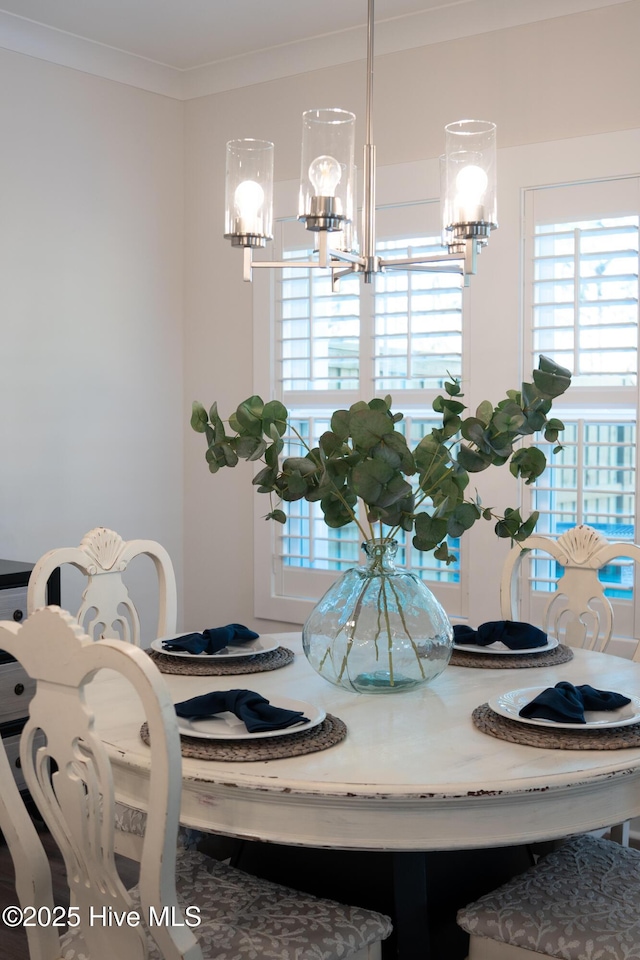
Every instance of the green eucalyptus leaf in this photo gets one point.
(278, 515)
(340, 424)
(528, 463)
(229, 454)
(369, 478)
(484, 412)
(398, 443)
(265, 478)
(199, 418)
(249, 448)
(474, 430)
(442, 553)
(249, 416)
(301, 465)
(271, 456)
(551, 384)
(526, 529)
(331, 443)
(274, 414)
(547, 365)
(505, 530)
(430, 531)
(368, 427)
(452, 387)
(453, 407)
(508, 419)
(336, 513)
(472, 460)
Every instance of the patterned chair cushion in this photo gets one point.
(244, 917)
(581, 902)
(129, 820)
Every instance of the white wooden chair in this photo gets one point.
(578, 613)
(71, 780)
(107, 610)
(580, 901)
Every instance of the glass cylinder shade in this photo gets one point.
(327, 170)
(249, 192)
(469, 203)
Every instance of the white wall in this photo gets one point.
(91, 212)
(569, 77)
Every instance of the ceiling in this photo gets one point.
(236, 42)
(191, 33)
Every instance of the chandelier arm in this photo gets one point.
(405, 263)
(345, 257)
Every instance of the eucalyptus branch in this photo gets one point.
(362, 457)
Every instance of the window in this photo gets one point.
(583, 308)
(401, 335)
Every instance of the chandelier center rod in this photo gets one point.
(371, 264)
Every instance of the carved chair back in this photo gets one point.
(578, 613)
(107, 610)
(70, 779)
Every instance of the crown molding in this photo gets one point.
(462, 19)
(56, 46)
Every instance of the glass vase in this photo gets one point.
(378, 629)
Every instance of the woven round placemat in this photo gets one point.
(331, 731)
(486, 720)
(498, 661)
(217, 667)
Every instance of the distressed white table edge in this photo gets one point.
(413, 773)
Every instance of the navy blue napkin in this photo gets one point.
(211, 640)
(515, 635)
(565, 703)
(256, 712)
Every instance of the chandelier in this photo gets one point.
(326, 203)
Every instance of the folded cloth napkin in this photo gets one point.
(256, 712)
(211, 640)
(515, 635)
(565, 703)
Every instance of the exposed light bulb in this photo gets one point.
(471, 183)
(325, 173)
(248, 198)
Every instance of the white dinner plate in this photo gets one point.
(264, 644)
(497, 647)
(509, 705)
(226, 726)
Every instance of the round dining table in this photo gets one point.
(413, 773)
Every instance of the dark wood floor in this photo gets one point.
(13, 942)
